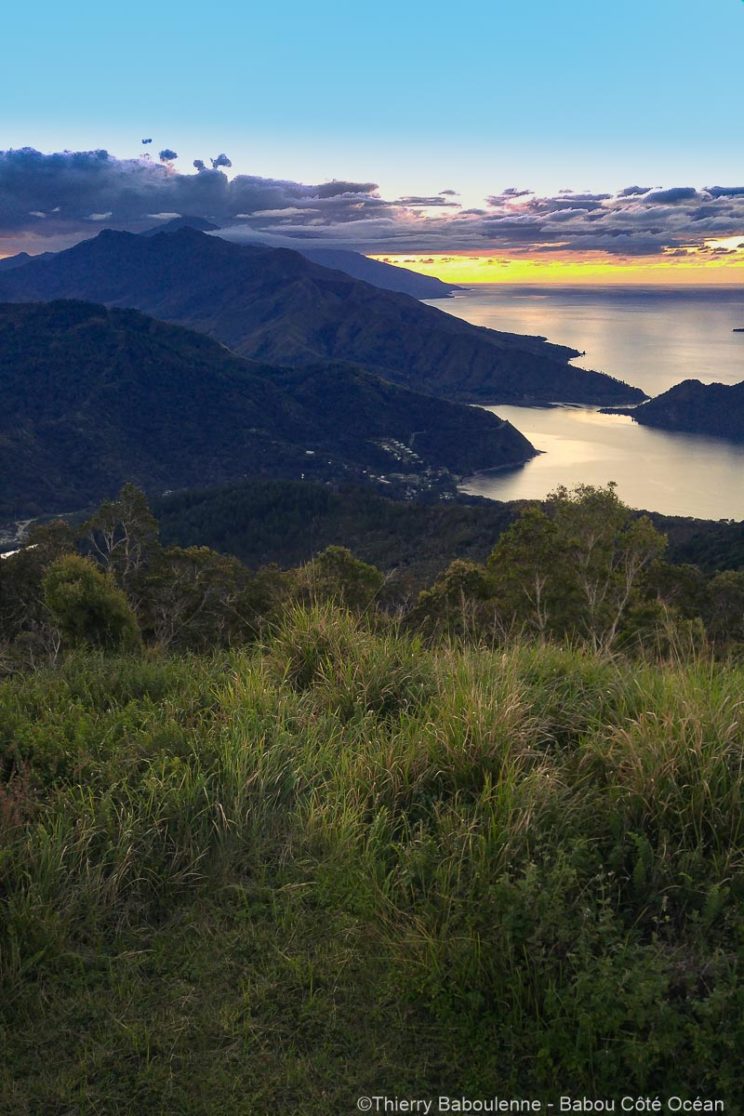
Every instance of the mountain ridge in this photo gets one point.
(274, 305)
(388, 277)
(92, 396)
(693, 407)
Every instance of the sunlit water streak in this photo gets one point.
(652, 340)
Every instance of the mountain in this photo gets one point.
(697, 408)
(91, 397)
(275, 305)
(388, 277)
(10, 263)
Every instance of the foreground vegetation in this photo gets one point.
(271, 841)
(338, 863)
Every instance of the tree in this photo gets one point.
(24, 618)
(123, 537)
(196, 598)
(684, 588)
(528, 584)
(459, 603)
(88, 607)
(605, 550)
(335, 574)
(726, 615)
(576, 567)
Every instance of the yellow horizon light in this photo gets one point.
(691, 268)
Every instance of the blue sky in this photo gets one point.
(572, 141)
(416, 97)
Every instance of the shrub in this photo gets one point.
(87, 606)
(336, 575)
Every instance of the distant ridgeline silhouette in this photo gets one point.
(387, 276)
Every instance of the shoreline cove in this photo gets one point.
(650, 340)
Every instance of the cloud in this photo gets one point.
(725, 191)
(52, 200)
(420, 202)
(167, 156)
(677, 194)
(335, 189)
(221, 161)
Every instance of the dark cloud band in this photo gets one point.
(50, 197)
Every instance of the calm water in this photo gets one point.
(651, 339)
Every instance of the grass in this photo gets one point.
(341, 863)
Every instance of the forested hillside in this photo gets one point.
(91, 397)
(276, 306)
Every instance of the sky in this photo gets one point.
(423, 111)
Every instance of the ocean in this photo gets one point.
(650, 338)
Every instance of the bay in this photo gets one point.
(650, 338)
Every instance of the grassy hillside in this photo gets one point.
(339, 863)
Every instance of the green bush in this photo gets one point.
(87, 606)
(336, 575)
